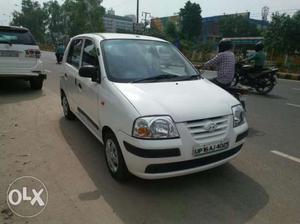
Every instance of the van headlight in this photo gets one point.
(238, 115)
(156, 127)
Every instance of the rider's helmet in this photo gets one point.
(259, 46)
(225, 45)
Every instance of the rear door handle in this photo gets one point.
(79, 85)
(66, 75)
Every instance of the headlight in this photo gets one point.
(238, 115)
(160, 127)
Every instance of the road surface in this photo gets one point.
(262, 185)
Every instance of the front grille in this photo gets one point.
(199, 130)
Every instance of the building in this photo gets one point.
(161, 23)
(210, 25)
(261, 24)
(132, 16)
(211, 28)
(113, 23)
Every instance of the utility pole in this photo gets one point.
(137, 11)
(145, 19)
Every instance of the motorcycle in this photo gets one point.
(262, 81)
(59, 58)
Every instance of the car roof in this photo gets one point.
(110, 36)
(17, 28)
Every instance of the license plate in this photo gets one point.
(210, 148)
(9, 54)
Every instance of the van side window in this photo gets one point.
(74, 52)
(89, 55)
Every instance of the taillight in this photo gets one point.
(32, 53)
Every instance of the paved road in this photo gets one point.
(260, 186)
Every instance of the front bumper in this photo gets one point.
(155, 159)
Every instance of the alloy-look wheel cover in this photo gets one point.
(112, 155)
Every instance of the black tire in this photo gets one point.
(120, 171)
(66, 108)
(264, 88)
(36, 83)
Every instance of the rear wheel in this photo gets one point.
(36, 83)
(114, 158)
(265, 85)
(66, 108)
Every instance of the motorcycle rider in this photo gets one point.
(60, 50)
(259, 58)
(224, 61)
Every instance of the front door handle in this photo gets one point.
(79, 85)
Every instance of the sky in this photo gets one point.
(160, 8)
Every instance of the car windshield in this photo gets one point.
(145, 61)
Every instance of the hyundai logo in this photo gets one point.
(210, 126)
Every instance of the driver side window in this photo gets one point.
(89, 54)
(74, 53)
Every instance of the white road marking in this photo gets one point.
(293, 105)
(295, 159)
(48, 71)
(297, 89)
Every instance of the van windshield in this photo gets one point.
(145, 61)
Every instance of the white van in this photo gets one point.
(154, 113)
(20, 56)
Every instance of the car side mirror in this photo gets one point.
(90, 71)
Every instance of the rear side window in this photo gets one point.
(75, 52)
(23, 37)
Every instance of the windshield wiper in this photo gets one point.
(157, 77)
(191, 77)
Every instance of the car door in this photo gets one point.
(89, 90)
(73, 62)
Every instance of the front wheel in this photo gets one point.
(66, 108)
(114, 158)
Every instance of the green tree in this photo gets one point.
(83, 16)
(295, 31)
(278, 36)
(54, 21)
(191, 20)
(154, 33)
(31, 16)
(238, 26)
(171, 31)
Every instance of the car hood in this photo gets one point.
(183, 101)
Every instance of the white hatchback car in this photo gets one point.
(155, 114)
(20, 56)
